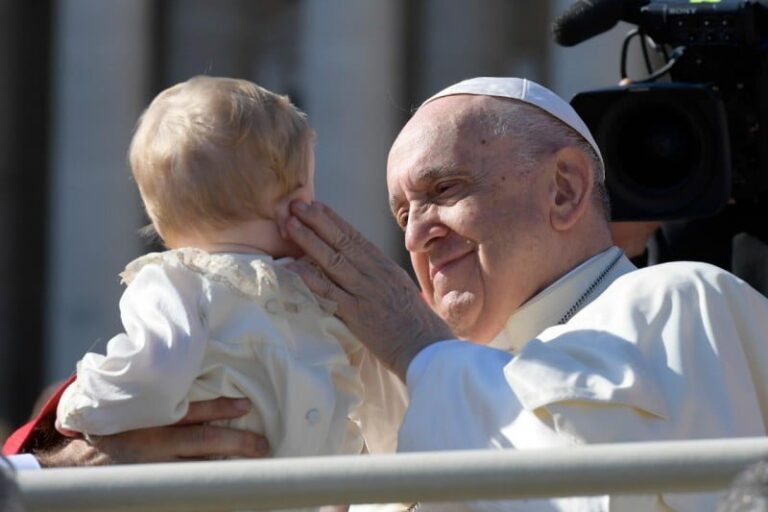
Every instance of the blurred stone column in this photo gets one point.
(207, 38)
(101, 80)
(460, 39)
(351, 65)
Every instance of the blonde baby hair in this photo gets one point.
(212, 152)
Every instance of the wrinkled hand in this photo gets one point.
(376, 298)
(189, 439)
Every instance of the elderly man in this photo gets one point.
(498, 186)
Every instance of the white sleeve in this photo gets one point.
(464, 386)
(461, 400)
(385, 399)
(20, 462)
(146, 374)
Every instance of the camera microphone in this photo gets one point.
(588, 18)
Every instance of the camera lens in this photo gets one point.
(659, 146)
(665, 147)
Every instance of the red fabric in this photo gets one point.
(16, 444)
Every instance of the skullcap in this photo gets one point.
(522, 89)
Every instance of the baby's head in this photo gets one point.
(217, 161)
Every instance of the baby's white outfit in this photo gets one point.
(200, 326)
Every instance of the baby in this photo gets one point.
(217, 162)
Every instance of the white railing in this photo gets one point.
(447, 476)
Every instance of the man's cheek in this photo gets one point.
(421, 269)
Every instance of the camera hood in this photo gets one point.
(666, 148)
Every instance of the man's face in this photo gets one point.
(476, 223)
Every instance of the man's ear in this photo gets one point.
(571, 188)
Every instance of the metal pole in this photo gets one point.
(684, 466)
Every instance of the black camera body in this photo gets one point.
(685, 148)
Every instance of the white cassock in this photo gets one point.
(670, 352)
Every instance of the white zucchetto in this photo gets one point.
(524, 90)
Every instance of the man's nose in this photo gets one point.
(424, 227)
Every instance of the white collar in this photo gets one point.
(547, 307)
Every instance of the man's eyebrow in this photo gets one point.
(428, 174)
(432, 173)
(394, 202)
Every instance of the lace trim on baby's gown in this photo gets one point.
(254, 276)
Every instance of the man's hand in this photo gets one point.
(189, 439)
(377, 300)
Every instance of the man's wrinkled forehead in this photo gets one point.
(443, 136)
(462, 107)
(460, 115)
(436, 128)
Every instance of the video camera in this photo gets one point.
(693, 135)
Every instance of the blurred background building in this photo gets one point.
(77, 74)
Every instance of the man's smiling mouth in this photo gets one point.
(446, 265)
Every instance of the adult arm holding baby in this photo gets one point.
(191, 438)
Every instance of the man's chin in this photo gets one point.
(460, 310)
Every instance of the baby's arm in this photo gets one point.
(146, 374)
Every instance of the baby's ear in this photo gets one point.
(282, 212)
